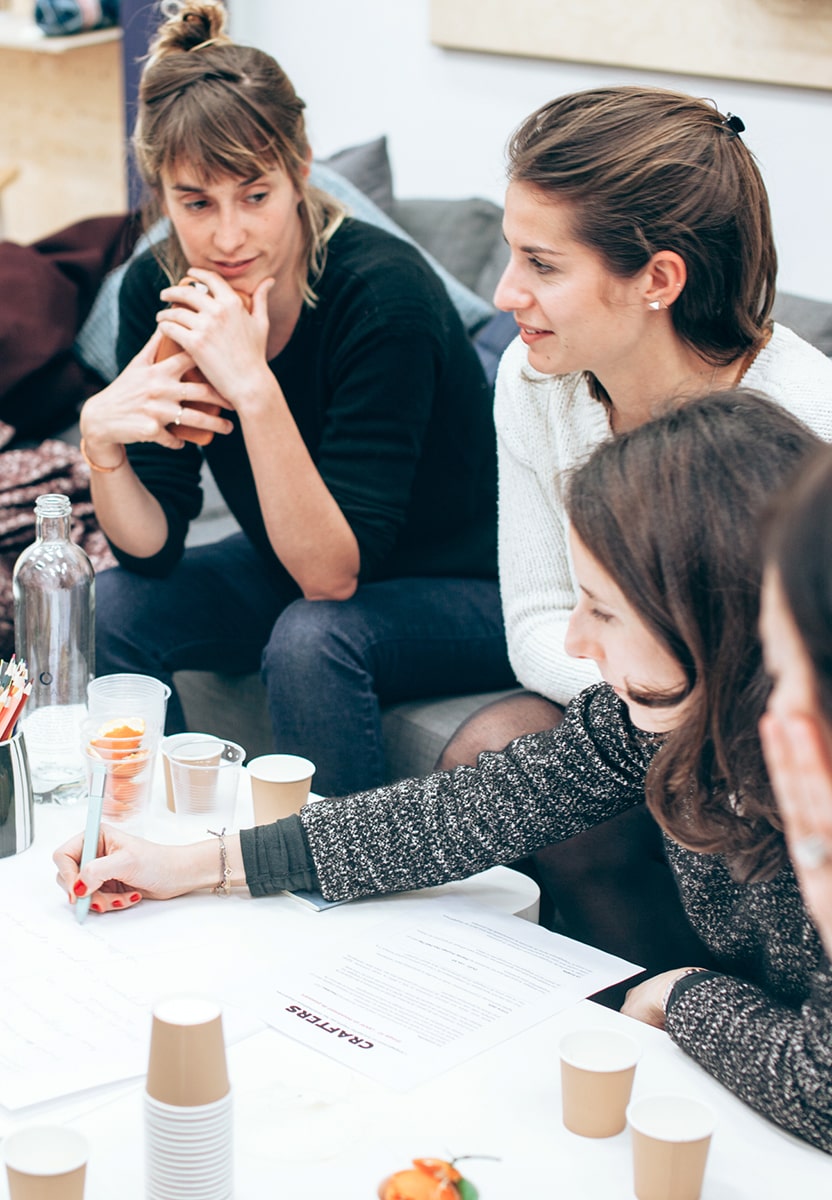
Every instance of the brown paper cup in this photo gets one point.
(597, 1070)
(187, 1066)
(280, 785)
(46, 1162)
(671, 1136)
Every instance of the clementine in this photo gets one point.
(431, 1179)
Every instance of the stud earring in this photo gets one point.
(655, 305)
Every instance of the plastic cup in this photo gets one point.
(280, 785)
(597, 1069)
(671, 1136)
(186, 1065)
(169, 744)
(128, 781)
(45, 1162)
(204, 778)
(119, 697)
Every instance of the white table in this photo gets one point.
(307, 1128)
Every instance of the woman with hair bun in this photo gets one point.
(642, 268)
(345, 418)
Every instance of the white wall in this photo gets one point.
(367, 68)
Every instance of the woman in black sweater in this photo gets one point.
(350, 430)
(666, 549)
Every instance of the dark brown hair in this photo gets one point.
(224, 109)
(799, 546)
(671, 511)
(646, 169)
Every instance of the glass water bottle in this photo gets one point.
(54, 614)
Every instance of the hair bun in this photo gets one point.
(188, 24)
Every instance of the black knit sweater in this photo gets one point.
(390, 399)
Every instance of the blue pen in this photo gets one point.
(90, 850)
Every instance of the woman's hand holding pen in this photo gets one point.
(128, 868)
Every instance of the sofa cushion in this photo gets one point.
(234, 707)
(460, 233)
(492, 340)
(368, 167)
(417, 731)
(473, 311)
(811, 319)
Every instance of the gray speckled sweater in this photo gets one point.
(764, 1028)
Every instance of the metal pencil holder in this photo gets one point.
(16, 797)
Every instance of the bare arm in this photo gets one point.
(307, 530)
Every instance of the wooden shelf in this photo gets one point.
(17, 33)
(62, 128)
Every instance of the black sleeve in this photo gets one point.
(277, 858)
(407, 446)
(385, 379)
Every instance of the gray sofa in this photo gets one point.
(465, 238)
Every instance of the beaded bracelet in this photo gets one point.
(223, 888)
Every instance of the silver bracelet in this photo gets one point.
(223, 888)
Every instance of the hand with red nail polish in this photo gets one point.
(127, 869)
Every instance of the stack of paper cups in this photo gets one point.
(188, 1119)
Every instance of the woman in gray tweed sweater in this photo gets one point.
(667, 557)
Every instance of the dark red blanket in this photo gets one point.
(46, 292)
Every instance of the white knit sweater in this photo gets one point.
(546, 425)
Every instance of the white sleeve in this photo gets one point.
(536, 581)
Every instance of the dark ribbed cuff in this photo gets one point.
(277, 858)
(684, 984)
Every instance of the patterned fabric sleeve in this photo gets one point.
(541, 789)
(776, 1058)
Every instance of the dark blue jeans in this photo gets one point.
(328, 666)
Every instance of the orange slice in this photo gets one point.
(127, 727)
(119, 738)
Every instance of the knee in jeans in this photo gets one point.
(119, 595)
(307, 634)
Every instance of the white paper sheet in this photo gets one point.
(424, 992)
(76, 1006)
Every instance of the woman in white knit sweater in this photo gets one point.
(642, 270)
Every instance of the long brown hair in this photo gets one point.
(672, 511)
(647, 169)
(799, 545)
(224, 109)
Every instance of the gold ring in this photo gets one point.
(178, 417)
